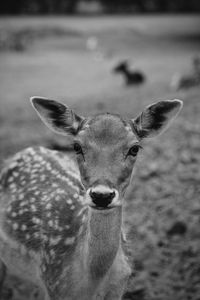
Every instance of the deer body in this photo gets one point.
(79, 249)
(61, 220)
(185, 81)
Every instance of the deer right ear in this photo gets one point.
(57, 116)
(156, 118)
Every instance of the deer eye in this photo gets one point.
(133, 150)
(78, 148)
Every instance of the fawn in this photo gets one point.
(61, 222)
(132, 77)
(186, 81)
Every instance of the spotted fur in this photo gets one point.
(50, 230)
(44, 219)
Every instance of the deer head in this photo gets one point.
(121, 67)
(106, 145)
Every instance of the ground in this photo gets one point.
(71, 59)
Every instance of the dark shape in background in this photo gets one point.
(131, 77)
(106, 6)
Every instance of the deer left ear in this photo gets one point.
(57, 116)
(156, 118)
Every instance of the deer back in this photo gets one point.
(42, 207)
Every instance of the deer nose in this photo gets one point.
(102, 199)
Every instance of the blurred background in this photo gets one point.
(116, 56)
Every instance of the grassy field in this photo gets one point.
(49, 57)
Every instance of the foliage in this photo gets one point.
(69, 6)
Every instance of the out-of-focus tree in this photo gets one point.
(111, 6)
(151, 5)
(38, 6)
(11, 6)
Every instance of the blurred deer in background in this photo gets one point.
(61, 215)
(132, 77)
(185, 81)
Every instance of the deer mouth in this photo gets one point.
(102, 208)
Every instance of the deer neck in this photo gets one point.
(96, 250)
(103, 237)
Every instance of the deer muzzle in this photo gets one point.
(103, 197)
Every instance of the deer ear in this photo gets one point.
(57, 116)
(156, 118)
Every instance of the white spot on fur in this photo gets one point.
(14, 164)
(48, 166)
(43, 268)
(13, 186)
(33, 181)
(10, 179)
(55, 241)
(39, 158)
(27, 236)
(36, 234)
(80, 199)
(15, 174)
(15, 226)
(9, 209)
(50, 223)
(80, 230)
(21, 196)
(42, 177)
(48, 214)
(23, 227)
(54, 185)
(83, 218)
(52, 253)
(33, 208)
(36, 220)
(57, 198)
(69, 241)
(33, 188)
(49, 206)
(23, 182)
(43, 150)
(75, 195)
(23, 250)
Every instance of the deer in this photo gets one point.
(132, 77)
(62, 214)
(187, 81)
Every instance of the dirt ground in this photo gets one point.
(71, 59)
